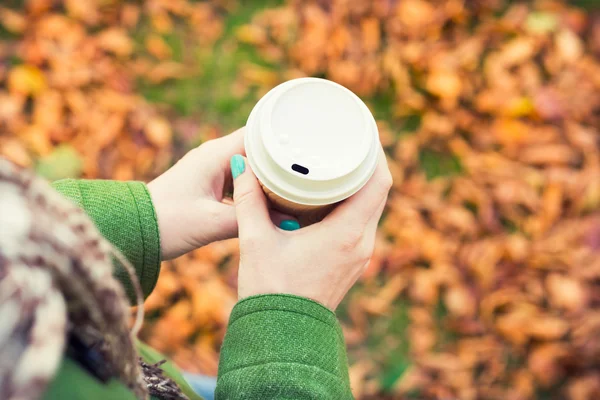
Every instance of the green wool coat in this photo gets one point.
(276, 346)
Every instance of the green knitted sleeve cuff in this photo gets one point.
(124, 215)
(283, 346)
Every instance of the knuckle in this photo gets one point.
(209, 145)
(385, 182)
(351, 240)
(389, 181)
(364, 266)
(364, 255)
(242, 196)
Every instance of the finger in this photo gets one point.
(227, 220)
(284, 221)
(358, 209)
(250, 202)
(230, 145)
(373, 223)
(233, 143)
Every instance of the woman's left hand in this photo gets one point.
(188, 198)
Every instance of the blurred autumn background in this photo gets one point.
(485, 283)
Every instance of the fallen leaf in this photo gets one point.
(158, 47)
(116, 41)
(158, 131)
(26, 80)
(12, 21)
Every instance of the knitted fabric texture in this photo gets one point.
(283, 347)
(134, 234)
(56, 282)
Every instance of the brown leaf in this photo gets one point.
(544, 362)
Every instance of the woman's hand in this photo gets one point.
(321, 261)
(188, 198)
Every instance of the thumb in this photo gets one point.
(249, 199)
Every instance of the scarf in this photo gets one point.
(58, 295)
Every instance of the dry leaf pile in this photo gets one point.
(507, 244)
(74, 81)
(510, 246)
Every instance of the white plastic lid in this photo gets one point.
(312, 141)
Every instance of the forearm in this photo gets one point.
(125, 216)
(281, 346)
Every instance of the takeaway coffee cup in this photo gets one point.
(311, 143)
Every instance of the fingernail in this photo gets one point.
(289, 225)
(238, 166)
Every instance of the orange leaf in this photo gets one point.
(116, 41)
(12, 21)
(158, 131)
(158, 47)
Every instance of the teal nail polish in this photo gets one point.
(289, 225)
(238, 166)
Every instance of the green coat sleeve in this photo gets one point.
(283, 347)
(125, 216)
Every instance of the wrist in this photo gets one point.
(161, 220)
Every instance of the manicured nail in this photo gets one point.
(238, 166)
(289, 225)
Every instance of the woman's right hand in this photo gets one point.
(321, 261)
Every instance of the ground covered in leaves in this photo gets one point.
(485, 283)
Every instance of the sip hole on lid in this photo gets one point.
(300, 169)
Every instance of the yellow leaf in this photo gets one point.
(519, 107)
(26, 80)
(541, 22)
(259, 75)
(251, 34)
